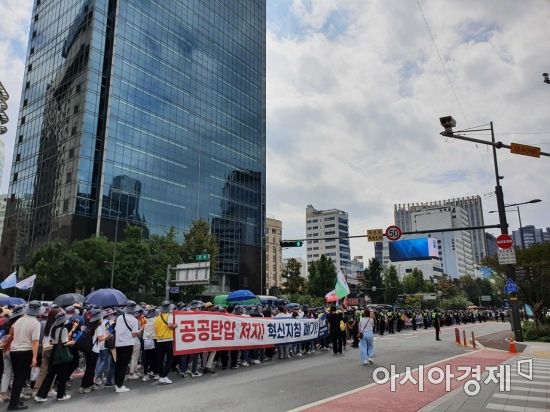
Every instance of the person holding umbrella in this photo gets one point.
(126, 330)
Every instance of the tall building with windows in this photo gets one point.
(2, 159)
(472, 206)
(327, 232)
(529, 235)
(145, 113)
(273, 253)
(456, 248)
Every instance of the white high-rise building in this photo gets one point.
(327, 232)
(2, 155)
(455, 248)
(474, 209)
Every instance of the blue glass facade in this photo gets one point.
(145, 112)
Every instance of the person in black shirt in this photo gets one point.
(334, 319)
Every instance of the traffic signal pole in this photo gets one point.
(510, 269)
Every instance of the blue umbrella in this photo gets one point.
(12, 301)
(240, 296)
(106, 298)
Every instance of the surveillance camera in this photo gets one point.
(448, 123)
(546, 79)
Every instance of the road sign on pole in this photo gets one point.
(510, 286)
(203, 257)
(524, 149)
(507, 256)
(393, 232)
(505, 241)
(375, 235)
(485, 298)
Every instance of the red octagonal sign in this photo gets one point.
(505, 241)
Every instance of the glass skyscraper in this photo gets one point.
(143, 112)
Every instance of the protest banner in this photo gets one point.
(209, 331)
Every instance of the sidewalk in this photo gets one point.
(408, 396)
(525, 395)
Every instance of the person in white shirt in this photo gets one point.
(366, 343)
(24, 351)
(126, 329)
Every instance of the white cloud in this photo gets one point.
(16, 17)
(353, 119)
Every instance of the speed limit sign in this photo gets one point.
(393, 232)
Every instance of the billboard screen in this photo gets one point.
(413, 249)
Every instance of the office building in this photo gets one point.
(473, 208)
(4, 119)
(455, 248)
(273, 253)
(2, 160)
(3, 202)
(530, 235)
(327, 232)
(491, 242)
(143, 113)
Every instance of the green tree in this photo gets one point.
(413, 282)
(373, 277)
(322, 276)
(164, 251)
(199, 240)
(470, 288)
(95, 255)
(458, 302)
(392, 286)
(57, 269)
(293, 282)
(447, 287)
(132, 263)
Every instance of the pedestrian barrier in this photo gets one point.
(464, 338)
(512, 345)
(473, 340)
(457, 336)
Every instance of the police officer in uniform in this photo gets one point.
(436, 320)
(381, 322)
(425, 319)
(391, 319)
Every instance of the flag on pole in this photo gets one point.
(341, 288)
(26, 283)
(10, 281)
(331, 296)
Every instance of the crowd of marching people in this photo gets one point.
(45, 346)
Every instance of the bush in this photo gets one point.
(533, 333)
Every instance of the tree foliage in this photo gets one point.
(293, 282)
(413, 282)
(322, 276)
(391, 284)
(139, 263)
(373, 277)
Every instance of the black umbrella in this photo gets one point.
(106, 298)
(68, 299)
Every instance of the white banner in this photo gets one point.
(210, 331)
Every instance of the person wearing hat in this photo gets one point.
(59, 337)
(24, 351)
(126, 330)
(164, 329)
(105, 368)
(136, 352)
(46, 348)
(149, 347)
(13, 316)
(93, 341)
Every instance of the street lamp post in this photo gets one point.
(448, 123)
(519, 217)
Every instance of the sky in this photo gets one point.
(355, 89)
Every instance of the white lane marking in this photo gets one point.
(529, 389)
(341, 395)
(524, 381)
(520, 397)
(511, 408)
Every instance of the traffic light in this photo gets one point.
(291, 243)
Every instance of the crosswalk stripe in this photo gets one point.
(511, 408)
(528, 389)
(521, 397)
(523, 381)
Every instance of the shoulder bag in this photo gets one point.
(360, 335)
